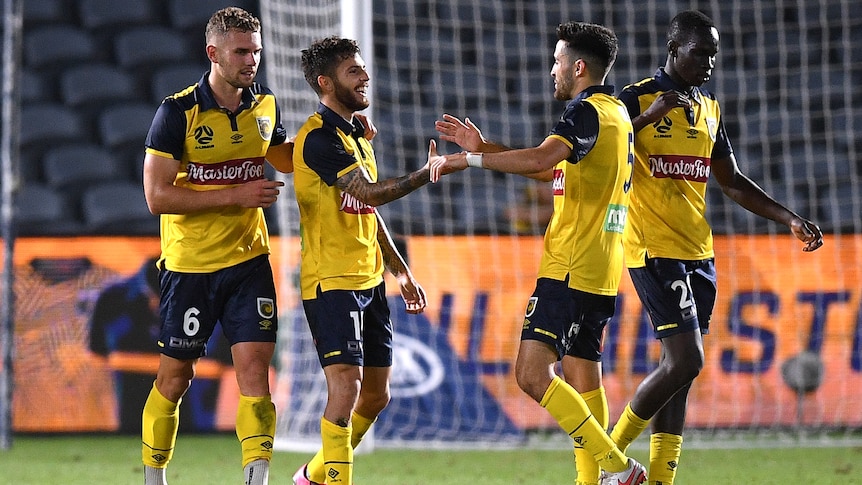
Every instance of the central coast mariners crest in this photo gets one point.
(712, 127)
(264, 127)
(266, 309)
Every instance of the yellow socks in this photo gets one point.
(585, 464)
(572, 414)
(628, 428)
(255, 428)
(360, 424)
(337, 453)
(161, 418)
(664, 452)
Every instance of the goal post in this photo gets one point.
(786, 334)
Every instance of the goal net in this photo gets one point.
(785, 352)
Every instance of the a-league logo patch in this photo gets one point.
(265, 307)
(264, 127)
(531, 306)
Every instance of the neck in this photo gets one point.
(337, 107)
(227, 96)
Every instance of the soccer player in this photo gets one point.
(588, 154)
(345, 249)
(204, 174)
(680, 140)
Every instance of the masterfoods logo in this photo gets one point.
(680, 167)
(226, 173)
(559, 185)
(352, 205)
(416, 368)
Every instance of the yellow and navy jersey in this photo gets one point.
(673, 158)
(217, 149)
(340, 250)
(583, 240)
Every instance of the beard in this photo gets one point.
(349, 98)
(563, 92)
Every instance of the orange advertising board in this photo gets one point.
(774, 302)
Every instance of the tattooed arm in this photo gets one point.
(411, 291)
(381, 192)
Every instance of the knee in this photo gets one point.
(372, 403)
(175, 384)
(529, 382)
(688, 367)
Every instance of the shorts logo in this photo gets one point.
(531, 306)
(265, 307)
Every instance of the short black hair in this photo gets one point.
(323, 57)
(686, 23)
(596, 44)
(231, 18)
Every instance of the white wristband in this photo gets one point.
(474, 160)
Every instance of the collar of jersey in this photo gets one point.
(599, 88)
(329, 116)
(666, 83)
(207, 100)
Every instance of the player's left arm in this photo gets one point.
(358, 184)
(281, 156)
(742, 190)
(411, 291)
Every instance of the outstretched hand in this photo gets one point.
(807, 232)
(440, 165)
(463, 133)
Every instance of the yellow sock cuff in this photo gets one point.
(628, 428)
(360, 426)
(585, 464)
(159, 423)
(597, 401)
(255, 427)
(337, 453)
(665, 450)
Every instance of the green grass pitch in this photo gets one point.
(214, 459)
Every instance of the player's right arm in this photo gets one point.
(163, 197)
(468, 136)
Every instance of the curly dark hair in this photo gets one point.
(323, 57)
(596, 44)
(228, 19)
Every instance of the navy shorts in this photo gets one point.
(351, 327)
(241, 298)
(571, 321)
(679, 295)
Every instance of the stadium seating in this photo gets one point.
(95, 83)
(163, 45)
(41, 210)
(71, 168)
(57, 45)
(172, 78)
(117, 208)
(185, 14)
(46, 123)
(97, 14)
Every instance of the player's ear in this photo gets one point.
(211, 53)
(672, 47)
(325, 83)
